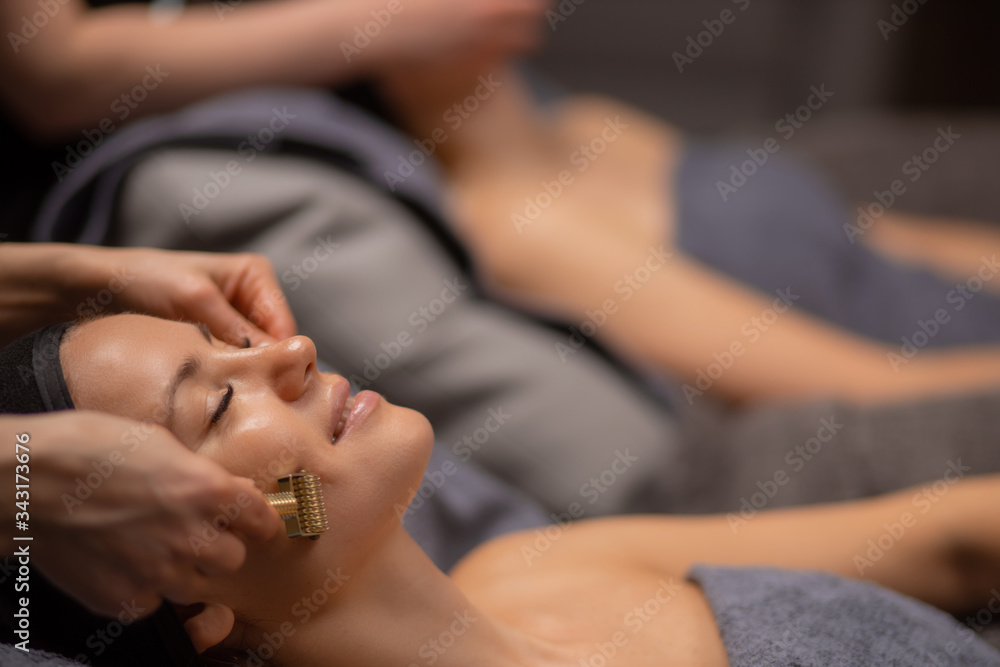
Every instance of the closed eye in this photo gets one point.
(224, 405)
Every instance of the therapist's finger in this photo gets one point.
(226, 323)
(248, 281)
(256, 518)
(221, 556)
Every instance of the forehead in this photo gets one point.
(124, 364)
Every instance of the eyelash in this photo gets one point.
(228, 398)
(224, 405)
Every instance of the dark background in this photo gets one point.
(941, 68)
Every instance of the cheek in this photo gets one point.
(367, 484)
(263, 446)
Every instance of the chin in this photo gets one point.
(421, 441)
(413, 442)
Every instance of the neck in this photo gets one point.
(399, 609)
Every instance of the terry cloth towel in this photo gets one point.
(777, 617)
(12, 657)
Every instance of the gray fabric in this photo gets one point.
(776, 617)
(824, 451)
(785, 228)
(12, 657)
(253, 123)
(490, 381)
(459, 507)
(568, 422)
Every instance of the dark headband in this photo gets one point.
(31, 377)
(32, 382)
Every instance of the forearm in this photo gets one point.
(45, 283)
(97, 56)
(912, 541)
(720, 337)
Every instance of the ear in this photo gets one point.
(208, 626)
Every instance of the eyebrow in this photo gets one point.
(188, 369)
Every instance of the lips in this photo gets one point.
(348, 411)
(340, 395)
(345, 413)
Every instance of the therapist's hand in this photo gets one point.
(237, 296)
(122, 511)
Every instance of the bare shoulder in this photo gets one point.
(627, 542)
(580, 586)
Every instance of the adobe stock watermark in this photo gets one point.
(372, 30)
(97, 304)
(625, 289)
(957, 298)
(697, 44)
(31, 25)
(210, 531)
(436, 647)
(561, 12)
(223, 7)
(433, 481)
(88, 307)
(580, 159)
(752, 330)
(898, 17)
(301, 271)
(913, 169)
(419, 320)
(922, 502)
(796, 459)
(633, 622)
(467, 447)
(592, 490)
(786, 127)
(103, 469)
(261, 311)
(303, 611)
(102, 639)
(453, 119)
(464, 449)
(121, 108)
(219, 180)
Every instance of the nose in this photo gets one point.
(289, 365)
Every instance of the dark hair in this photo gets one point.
(226, 653)
(32, 382)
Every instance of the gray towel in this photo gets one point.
(12, 657)
(779, 617)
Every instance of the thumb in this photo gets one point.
(228, 324)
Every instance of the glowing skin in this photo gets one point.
(385, 604)
(281, 416)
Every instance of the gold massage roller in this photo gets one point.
(299, 502)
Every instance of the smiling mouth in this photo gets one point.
(348, 406)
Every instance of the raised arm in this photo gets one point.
(715, 335)
(718, 336)
(62, 72)
(939, 543)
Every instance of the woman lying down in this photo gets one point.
(643, 590)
